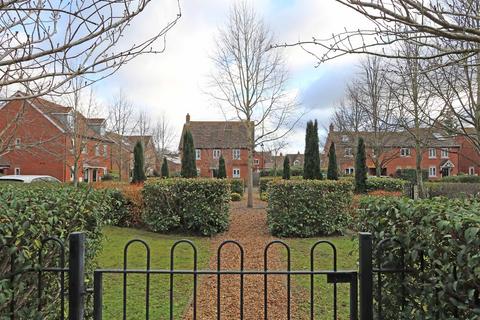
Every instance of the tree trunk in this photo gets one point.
(418, 170)
(250, 178)
(75, 174)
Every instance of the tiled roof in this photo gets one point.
(217, 134)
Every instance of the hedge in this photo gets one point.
(295, 171)
(307, 208)
(410, 175)
(452, 189)
(29, 214)
(237, 186)
(387, 184)
(198, 206)
(263, 184)
(446, 233)
(461, 179)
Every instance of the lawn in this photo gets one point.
(347, 256)
(112, 257)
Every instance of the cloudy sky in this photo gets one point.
(175, 82)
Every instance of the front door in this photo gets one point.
(95, 175)
(445, 172)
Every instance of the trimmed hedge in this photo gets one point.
(237, 186)
(307, 208)
(452, 189)
(387, 184)
(263, 184)
(295, 171)
(198, 206)
(29, 214)
(461, 179)
(446, 232)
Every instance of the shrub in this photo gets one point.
(452, 190)
(461, 179)
(361, 168)
(332, 171)
(410, 175)
(286, 169)
(189, 167)
(387, 184)
(198, 206)
(237, 186)
(446, 232)
(307, 208)
(222, 171)
(295, 171)
(138, 163)
(29, 214)
(263, 184)
(235, 196)
(164, 169)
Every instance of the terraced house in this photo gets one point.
(41, 137)
(441, 154)
(215, 138)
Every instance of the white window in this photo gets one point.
(444, 153)
(405, 152)
(349, 171)
(236, 154)
(296, 162)
(373, 153)
(432, 153)
(198, 172)
(198, 154)
(105, 151)
(236, 172)
(471, 171)
(84, 149)
(216, 153)
(432, 171)
(348, 152)
(97, 150)
(18, 142)
(17, 171)
(256, 161)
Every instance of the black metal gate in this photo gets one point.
(76, 290)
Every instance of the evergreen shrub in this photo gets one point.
(195, 206)
(308, 208)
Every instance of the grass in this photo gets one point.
(112, 257)
(347, 255)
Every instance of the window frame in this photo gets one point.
(444, 153)
(348, 154)
(198, 154)
(432, 155)
(236, 175)
(434, 175)
(471, 171)
(349, 171)
(17, 171)
(234, 157)
(215, 155)
(256, 162)
(405, 154)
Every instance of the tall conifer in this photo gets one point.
(165, 173)
(361, 168)
(138, 163)
(222, 172)
(189, 167)
(286, 169)
(332, 173)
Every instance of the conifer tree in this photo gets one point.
(308, 164)
(361, 168)
(286, 169)
(138, 163)
(165, 173)
(332, 173)
(189, 167)
(222, 171)
(317, 174)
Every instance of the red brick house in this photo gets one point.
(214, 138)
(42, 140)
(469, 157)
(440, 156)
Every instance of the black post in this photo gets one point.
(76, 276)
(354, 297)
(366, 276)
(97, 295)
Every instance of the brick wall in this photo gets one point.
(207, 163)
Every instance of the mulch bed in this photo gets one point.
(248, 227)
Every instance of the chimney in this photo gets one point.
(331, 128)
(281, 154)
(187, 118)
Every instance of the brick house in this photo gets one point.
(43, 142)
(440, 156)
(214, 138)
(295, 159)
(152, 162)
(469, 157)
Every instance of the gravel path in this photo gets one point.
(248, 227)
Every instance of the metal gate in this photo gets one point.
(75, 291)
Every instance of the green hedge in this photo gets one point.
(29, 214)
(295, 171)
(452, 189)
(387, 184)
(263, 184)
(307, 208)
(410, 175)
(461, 179)
(447, 233)
(237, 186)
(199, 206)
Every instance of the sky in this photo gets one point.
(175, 82)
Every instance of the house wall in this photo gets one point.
(207, 163)
(468, 157)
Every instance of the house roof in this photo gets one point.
(217, 134)
(432, 138)
(145, 139)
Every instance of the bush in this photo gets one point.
(198, 206)
(461, 179)
(307, 208)
(237, 186)
(452, 190)
(295, 171)
(263, 184)
(446, 232)
(235, 196)
(387, 184)
(410, 175)
(29, 214)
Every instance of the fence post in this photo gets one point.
(366, 276)
(76, 276)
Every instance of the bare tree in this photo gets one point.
(121, 123)
(163, 135)
(275, 147)
(250, 81)
(349, 115)
(45, 44)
